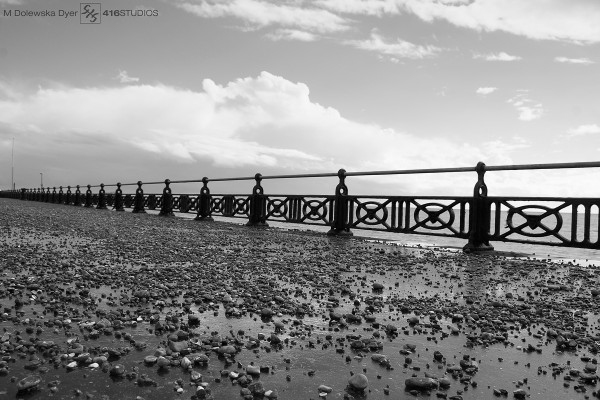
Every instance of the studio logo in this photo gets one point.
(89, 13)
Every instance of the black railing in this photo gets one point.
(476, 218)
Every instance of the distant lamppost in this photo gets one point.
(42, 179)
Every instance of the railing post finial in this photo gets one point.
(203, 203)
(339, 225)
(138, 206)
(77, 201)
(101, 198)
(480, 187)
(88, 197)
(479, 215)
(118, 206)
(258, 205)
(68, 196)
(166, 209)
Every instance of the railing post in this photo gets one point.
(479, 215)
(138, 206)
(258, 205)
(53, 197)
(166, 209)
(339, 226)
(204, 208)
(46, 195)
(101, 198)
(68, 200)
(77, 201)
(88, 197)
(118, 205)
(22, 197)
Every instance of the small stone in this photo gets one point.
(253, 370)
(520, 394)
(227, 350)
(72, 365)
(150, 360)
(324, 389)
(421, 384)
(185, 363)
(163, 362)
(117, 370)
(257, 388)
(178, 347)
(358, 382)
(589, 367)
(28, 383)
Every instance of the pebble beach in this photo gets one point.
(97, 304)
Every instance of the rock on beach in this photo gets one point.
(358, 382)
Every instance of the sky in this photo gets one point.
(191, 88)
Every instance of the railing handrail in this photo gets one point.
(487, 168)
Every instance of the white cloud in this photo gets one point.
(398, 48)
(573, 20)
(528, 109)
(369, 7)
(584, 130)
(486, 90)
(263, 121)
(580, 61)
(292, 34)
(261, 14)
(124, 77)
(502, 56)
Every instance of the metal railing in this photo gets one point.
(477, 218)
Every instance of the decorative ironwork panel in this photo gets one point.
(299, 209)
(317, 210)
(230, 205)
(544, 220)
(150, 202)
(182, 203)
(193, 203)
(443, 216)
(128, 201)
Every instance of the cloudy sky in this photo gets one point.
(234, 87)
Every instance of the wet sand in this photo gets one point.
(100, 304)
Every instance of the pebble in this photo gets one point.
(324, 389)
(421, 384)
(358, 382)
(117, 370)
(29, 383)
